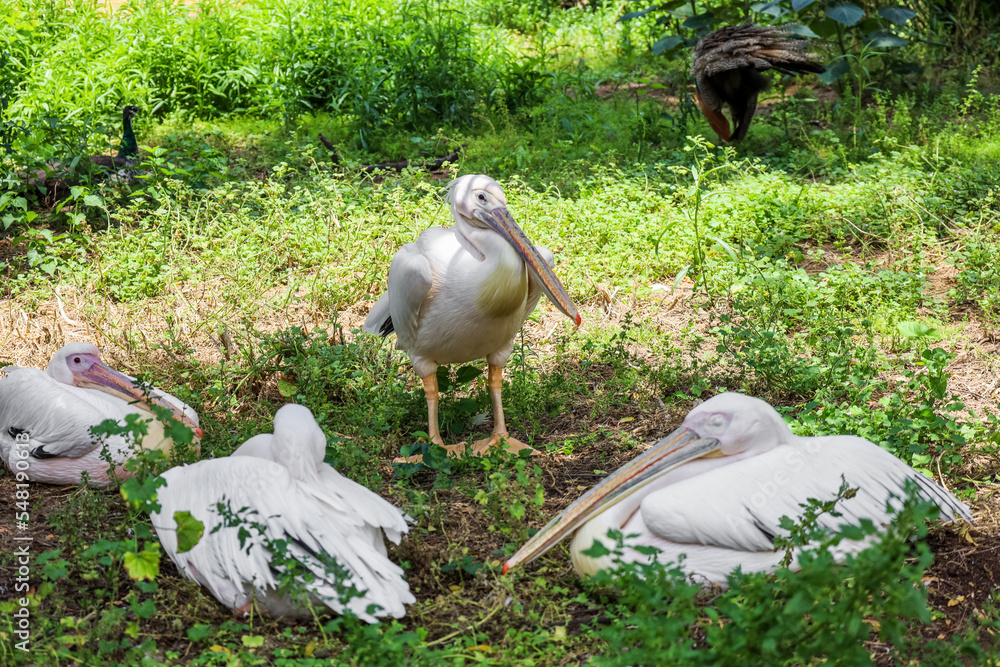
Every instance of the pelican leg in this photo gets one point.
(499, 426)
(431, 393)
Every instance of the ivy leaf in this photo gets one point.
(189, 531)
(845, 13)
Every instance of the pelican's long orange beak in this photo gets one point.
(675, 450)
(108, 380)
(502, 222)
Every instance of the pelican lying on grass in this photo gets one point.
(716, 489)
(45, 417)
(462, 293)
(283, 493)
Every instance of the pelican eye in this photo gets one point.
(482, 197)
(76, 360)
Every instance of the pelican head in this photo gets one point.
(739, 422)
(479, 201)
(299, 442)
(727, 425)
(79, 365)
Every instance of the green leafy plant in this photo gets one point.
(819, 611)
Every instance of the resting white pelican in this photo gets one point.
(280, 482)
(716, 489)
(45, 417)
(462, 293)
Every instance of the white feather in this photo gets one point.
(318, 513)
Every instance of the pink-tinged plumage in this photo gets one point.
(284, 485)
(715, 490)
(46, 416)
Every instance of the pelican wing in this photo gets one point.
(357, 503)
(56, 416)
(739, 505)
(373, 509)
(263, 492)
(410, 280)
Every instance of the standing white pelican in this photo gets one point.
(716, 489)
(462, 293)
(280, 483)
(45, 417)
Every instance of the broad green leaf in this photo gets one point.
(917, 330)
(597, 550)
(635, 15)
(145, 609)
(667, 43)
(142, 493)
(145, 564)
(93, 200)
(834, 71)
(253, 641)
(436, 457)
(801, 30)
(287, 389)
(897, 15)
(845, 13)
(885, 39)
(189, 531)
(443, 378)
(799, 5)
(467, 374)
(908, 68)
(698, 22)
(768, 8)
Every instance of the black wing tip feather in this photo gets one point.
(386, 327)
